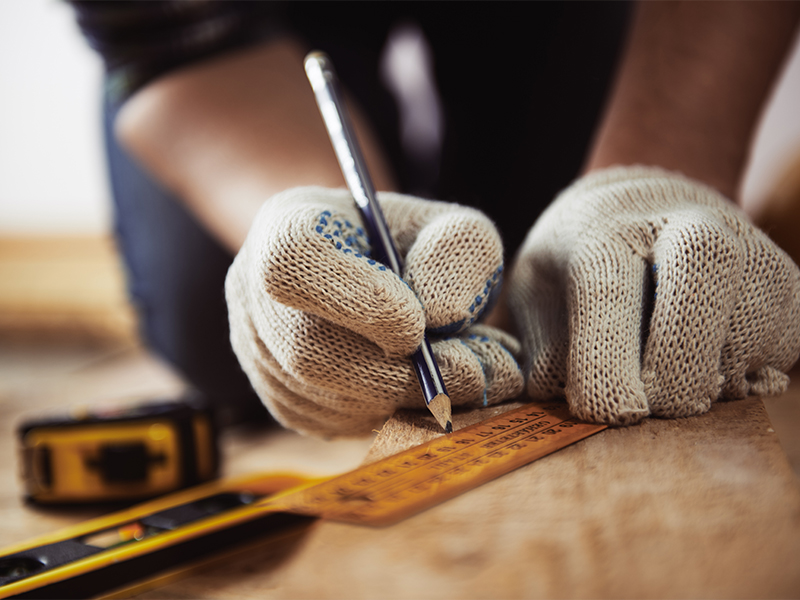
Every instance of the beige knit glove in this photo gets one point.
(325, 333)
(719, 318)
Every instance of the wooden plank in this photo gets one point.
(64, 287)
(699, 507)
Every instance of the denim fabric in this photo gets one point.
(176, 274)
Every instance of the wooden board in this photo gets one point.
(700, 507)
(64, 288)
(703, 507)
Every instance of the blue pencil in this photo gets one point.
(326, 90)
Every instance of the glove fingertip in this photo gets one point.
(478, 369)
(321, 263)
(768, 381)
(603, 398)
(506, 340)
(455, 266)
(609, 415)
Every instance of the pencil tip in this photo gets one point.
(440, 409)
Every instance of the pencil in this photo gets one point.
(325, 84)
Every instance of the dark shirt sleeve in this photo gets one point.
(140, 41)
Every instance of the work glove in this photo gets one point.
(325, 333)
(640, 292)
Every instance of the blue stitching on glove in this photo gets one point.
(483, 338)
(449, 328)
(484, 295)
(654, 269)
(475, 336)
(355, 238)
(483, 301)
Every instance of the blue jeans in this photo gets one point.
(176, 274)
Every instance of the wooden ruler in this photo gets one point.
(406, 483)
(166, 534)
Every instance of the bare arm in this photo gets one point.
(691, 87)
(227, 134)
(689, 90)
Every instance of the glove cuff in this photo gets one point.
(628, 174)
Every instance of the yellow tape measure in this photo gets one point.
(110, 552)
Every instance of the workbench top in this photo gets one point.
(700, 507)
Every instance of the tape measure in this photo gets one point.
(113, 551)
(119, 453)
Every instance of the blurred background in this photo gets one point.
(58, 271)
(67, 332)
(68, 335)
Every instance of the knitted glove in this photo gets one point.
(641, 292)
(325, 333)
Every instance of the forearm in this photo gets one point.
(227, 134)
(691, 87)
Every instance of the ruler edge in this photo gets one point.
(416, 508)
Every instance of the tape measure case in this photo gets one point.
(120, 453)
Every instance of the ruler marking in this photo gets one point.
(459, 480)
(464, 458)
(498, 443)
(463, 453)
(459, 464)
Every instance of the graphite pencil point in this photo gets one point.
(440, 409)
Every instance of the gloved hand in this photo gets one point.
(719, 318)
(325, 333)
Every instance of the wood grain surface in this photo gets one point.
(64, 288)
(705, 507)
(700, 507)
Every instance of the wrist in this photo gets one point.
(691, 86)
(226, 134)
